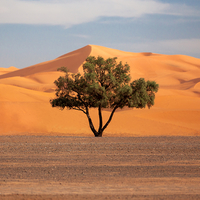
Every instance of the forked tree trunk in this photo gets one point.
(99, 134)
(101, 129)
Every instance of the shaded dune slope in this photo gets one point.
(25, 95)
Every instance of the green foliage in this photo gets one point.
(103, 84)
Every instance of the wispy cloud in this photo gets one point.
(81, 36)
(72, 12)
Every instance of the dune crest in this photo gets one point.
(7, 70)
(25, 95)
(71, 60)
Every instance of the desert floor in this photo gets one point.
(65, 167)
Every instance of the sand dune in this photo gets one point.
(72, 61)
(25, 95)
(7, 70)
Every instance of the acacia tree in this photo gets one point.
(103, 84)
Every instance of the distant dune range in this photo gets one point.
(25, 95)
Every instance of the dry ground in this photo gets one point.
(63, 167)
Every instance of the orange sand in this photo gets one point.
(25, 95)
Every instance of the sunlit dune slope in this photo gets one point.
(71, 60)
(25, 95)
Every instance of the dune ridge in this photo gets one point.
(7, 70)
(72, 61)
(25, 95)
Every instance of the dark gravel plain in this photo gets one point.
(68, 167)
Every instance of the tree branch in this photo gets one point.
(110, 118)
(90, 122)
(100, 118)
(80, 99)
(79, 109)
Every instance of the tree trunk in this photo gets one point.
(99, 133)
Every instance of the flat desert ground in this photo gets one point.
(152, 153)
(70, 167)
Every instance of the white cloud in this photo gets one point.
(71, 12)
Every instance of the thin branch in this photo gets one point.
(79, 109)
(80, 99)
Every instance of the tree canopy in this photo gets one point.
(103, 84)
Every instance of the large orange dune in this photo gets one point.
(25, 95)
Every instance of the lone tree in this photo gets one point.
(103, 84)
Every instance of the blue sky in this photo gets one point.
(33, 31)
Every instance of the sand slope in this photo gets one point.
(25, 95)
